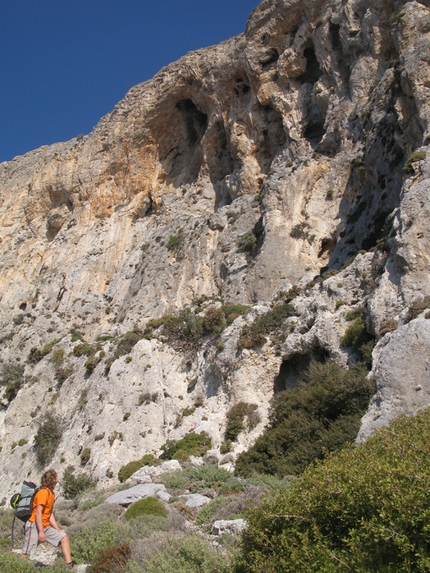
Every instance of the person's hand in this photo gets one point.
(42, 536)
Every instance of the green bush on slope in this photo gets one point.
(363, 509)
(321, 415)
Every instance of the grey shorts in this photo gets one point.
(32, 538)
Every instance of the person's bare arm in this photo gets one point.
(42, 536)
(53, 523)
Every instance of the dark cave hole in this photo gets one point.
(314, 132)
(292, 371)
(195, 120)
(327, 246)
(334, 30)
(313, 71)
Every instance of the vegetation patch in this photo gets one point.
(36, 354)
(321, 415)
(300, 231)
(129, 469)
(247, 243)
(389, 325)
(47, 438)
(365, 509)
(147, 506)
(124, 346)
(408, 167)
(111, 559)
(174, 242)
(191, 444)
(12, 377)
(417, 307)
(73, 486)
(239, 417)
(271, 322)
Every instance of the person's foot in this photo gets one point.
(71, 565)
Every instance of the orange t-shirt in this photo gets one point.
(44, 497)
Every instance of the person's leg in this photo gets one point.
(57, 538)
(65, 548)
(30, 541)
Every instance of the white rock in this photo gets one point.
(195, 500)
(129, 496)
(228, 526)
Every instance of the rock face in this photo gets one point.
(236, 173)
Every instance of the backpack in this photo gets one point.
(22, 503)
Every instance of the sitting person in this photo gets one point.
(42, 526)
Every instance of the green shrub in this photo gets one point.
(247, 243)
(147, 506)
(174, 242)
(408, 167)
(175, 481)
(148, 397)
(363, 509)
(85, 456)
(207, 512)
(83, 349)
(11, 376)
(36, 354)
(193, 444)
(215, 320)
(92, 361)
(237, 417)
(10, 563)
(300, 231)
(183, 330)
(89, 540)
(186, 554)
(124, 346)
(321, 415)
(356, 334)
(270, 322)
(19, 319)
(47, 438)
(75, 336)
(57, 357)
(74, 486)
(353, 314)
(205, 476)
(129, 469)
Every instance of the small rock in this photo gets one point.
(228, 526)
(195, 500)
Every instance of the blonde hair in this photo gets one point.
(49, 479)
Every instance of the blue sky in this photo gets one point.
(66, 63)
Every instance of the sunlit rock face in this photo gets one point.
(234, 174)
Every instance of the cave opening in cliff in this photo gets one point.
(196, 121)
(292, 371)
(313, 71)
(220, 162)
(334, 31)
(273, 137)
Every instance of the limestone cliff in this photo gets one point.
(291, 155)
